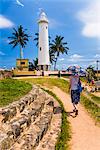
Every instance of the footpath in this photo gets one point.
(85, 134)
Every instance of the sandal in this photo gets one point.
(76, 112)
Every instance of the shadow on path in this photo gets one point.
(71, 114)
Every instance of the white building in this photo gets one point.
(43, 47)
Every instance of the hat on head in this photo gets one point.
(74, 71)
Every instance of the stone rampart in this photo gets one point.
(28, 123)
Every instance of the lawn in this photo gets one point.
(95, 98)
(50, 82)
(11, 90)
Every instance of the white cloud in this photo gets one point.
(55, 23)
(1, 53)
(61, 59)
(19, 3)
(5, 23)
(97, 56)
(90, 17)
(75, 58)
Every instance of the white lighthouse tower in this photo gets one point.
(43, 47)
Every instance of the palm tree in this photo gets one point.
(35, 63)
(58, 47)
(90, 73)
(37, 38)
(52, 56)
(19, 37)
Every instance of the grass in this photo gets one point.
(50, 82)
(95, 98)
(64, 137)
(11, 90)
(91, 107)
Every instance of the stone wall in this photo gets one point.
(33, 122)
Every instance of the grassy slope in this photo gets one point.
(92, 108)
(11, 90)
(63, 85)
(95, 98)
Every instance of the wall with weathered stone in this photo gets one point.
(33, 122)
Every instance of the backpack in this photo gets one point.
(80, 86)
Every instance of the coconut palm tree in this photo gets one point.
(58, 47)
(52, 56)
(33, 65)
(37, 38)
(19, 38)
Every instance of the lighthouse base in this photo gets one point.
(44, 67)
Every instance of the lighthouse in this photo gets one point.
(43, 47)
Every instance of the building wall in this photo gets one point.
(22, 62)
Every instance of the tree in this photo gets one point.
(52, 56)
(33, 65)
(90, 73)
(19, 37)
(58, 47)
(37, 39)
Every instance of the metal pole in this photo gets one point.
(97, 68)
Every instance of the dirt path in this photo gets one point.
(85, 135)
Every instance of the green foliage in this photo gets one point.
(58, 47)
(33, 65)
(92, 108)
(19, 37)
(64, 137)
(90, 73)
(11, 90)
(52, 56)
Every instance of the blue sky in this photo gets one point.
(77, 20)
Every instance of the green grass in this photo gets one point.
(50, 82)
(11, 90)
(91, 107)
(95, 98)
(64, 137)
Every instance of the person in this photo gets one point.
(92, 85)
(75, 93)
(59, 74)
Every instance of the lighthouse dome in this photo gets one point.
(43, 17)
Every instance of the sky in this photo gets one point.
(78, 21)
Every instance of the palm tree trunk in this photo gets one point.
(55, 64)
(21, 56)
(21, 52)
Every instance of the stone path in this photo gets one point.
(85, 135)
